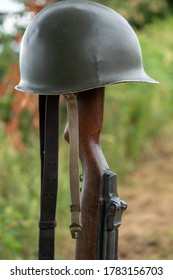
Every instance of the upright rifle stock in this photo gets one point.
(95, 189)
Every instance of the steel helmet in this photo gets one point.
(73, 46)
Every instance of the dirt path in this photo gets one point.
(147, 229)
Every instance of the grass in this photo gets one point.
(135, 116)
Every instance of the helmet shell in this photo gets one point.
(73, 46)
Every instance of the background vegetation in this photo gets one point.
(136, 117)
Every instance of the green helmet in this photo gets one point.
(73, 46)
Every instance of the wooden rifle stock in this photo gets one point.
(94, 165)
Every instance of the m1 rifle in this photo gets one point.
(101, 207)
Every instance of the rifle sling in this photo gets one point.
(75, 227)
(48, 118)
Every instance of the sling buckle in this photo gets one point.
(76, 231)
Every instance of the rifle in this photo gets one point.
(100, 226)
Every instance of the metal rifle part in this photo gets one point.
(111, 210)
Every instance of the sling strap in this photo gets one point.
(75, 227)
(48, 121)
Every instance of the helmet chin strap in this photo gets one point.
(72, 108)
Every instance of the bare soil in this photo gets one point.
(147, 228)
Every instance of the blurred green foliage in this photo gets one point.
(6, 103)
(18, 207)
(25, 126)
(6, 52)
(136, 115)
(140, 12)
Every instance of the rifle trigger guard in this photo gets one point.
(76, 231)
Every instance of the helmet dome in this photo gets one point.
(73, 46)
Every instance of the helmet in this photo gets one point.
(73, 46)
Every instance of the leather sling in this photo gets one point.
(48, 121)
